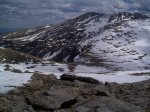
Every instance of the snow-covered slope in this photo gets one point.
(118, 41)
(126, 45)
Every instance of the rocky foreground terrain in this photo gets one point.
(73, 93)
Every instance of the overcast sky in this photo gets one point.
(28, 13)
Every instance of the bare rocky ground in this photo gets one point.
(45, 93)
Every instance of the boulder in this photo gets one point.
(40, 80)
(105, 104)
(45, 78)
(53, 99)
(68, 77)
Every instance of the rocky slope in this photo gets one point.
(45, 93)
(119, 40)
(9, 56)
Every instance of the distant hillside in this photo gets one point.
(11, 56)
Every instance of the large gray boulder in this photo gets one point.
(53, 98)
(70, 77)
(105, 104)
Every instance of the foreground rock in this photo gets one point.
(47, 94)
(70, 77)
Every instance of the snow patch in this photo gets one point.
(9, 80)
(118, 77)
(142, 43)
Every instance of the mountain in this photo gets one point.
(119, 41)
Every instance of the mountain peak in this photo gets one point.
(117, 17)
(122, 16)
(139, 16)
(89, 15)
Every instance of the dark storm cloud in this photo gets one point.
(25, 13)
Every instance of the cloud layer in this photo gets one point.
(26, 13)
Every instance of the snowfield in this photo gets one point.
(10, 80)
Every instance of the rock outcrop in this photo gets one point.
(70, 77)
(45, 93)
